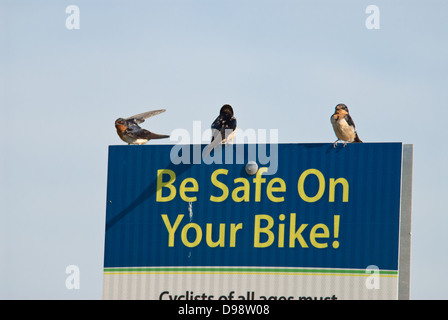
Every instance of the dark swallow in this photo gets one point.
(224, 125)
(223, 128)
(130, 132)
(343, 125)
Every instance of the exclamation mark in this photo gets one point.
(336, 231)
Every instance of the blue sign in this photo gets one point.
(323, 207)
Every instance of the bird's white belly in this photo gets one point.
(130, 140)
(140, 141)
(343, 131)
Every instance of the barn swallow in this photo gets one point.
(343, 125)
(224, 124)
(224, 127)
(130, 132)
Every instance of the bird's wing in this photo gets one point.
(232, 124)
(145, 134)
(349, 120)
(216, 127)
(139, 118)
(217, 124)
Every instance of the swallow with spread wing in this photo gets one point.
(343, 125)
(223, 128)
(129, 131)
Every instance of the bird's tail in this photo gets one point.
(357, 139)
(153, 135)
(212, 145)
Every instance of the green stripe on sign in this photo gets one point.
(246, 269)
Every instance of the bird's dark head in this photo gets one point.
(226, 111)
(120, 121)
(341, 107)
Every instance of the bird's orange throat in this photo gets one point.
(339, 114)
(120, 128)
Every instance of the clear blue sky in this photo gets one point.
(281, 64)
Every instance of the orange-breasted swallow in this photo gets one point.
(343, 125)
(130, 132)
(223, 128)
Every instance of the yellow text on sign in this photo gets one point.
(241, 191)
(191, 234)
